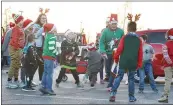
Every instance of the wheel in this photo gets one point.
(64, 78)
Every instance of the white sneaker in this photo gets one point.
(11, 85)
(126, 82)
(21, 84)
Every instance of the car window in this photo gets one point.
(156, 37)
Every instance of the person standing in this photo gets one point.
(39, 39)
(167, 50)
(129, 55)
(50, 53)
(147, 68)
(15, 49)
(109, 41)
(5, 45)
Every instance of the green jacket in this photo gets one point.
(106, 44)
(50, 46)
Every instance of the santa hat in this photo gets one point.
(91, 46)
(27, 23)
(114, 18)
(49, 27)
(17, 18)
(170, 33)
(11, 24)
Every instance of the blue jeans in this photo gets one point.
(148, 70)
(131, 86)
(108, 65)
(111, 79)
(47, 78)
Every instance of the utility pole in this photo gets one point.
(125, 8)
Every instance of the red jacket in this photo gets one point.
(167, 50)
(17, 38)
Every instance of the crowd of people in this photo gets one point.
(32, 45)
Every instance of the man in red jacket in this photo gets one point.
(15, 49)
(168, 65)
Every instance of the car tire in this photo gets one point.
(64, 78)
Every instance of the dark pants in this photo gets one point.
(40, 64)
(62, 73)
(3, 61)
(30, 71)
(108, 65)
(101, 71)
(93, 77)
(23, 71)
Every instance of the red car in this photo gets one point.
(156, 38)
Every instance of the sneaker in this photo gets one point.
(16, 83)
(43, 90)
(163, 99)
(155, 90)
(132, 99)
(21, 84)
(25, 88)
(33, 84)
(126, 82)
(11, 85)
(112, 97)
(51, 93)
(101, 81)
(140, 91)
(80, 85)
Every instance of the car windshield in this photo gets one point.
(156, 37)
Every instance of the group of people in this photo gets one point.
(32, 46)
(130, 53)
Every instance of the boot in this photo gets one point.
(164, 99)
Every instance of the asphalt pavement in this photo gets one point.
(68, 93)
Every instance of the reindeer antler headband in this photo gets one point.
(46, 10)
(130, 16)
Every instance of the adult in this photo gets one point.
(109, 41)
(39, 39)
(15, 48)
(5, 52)
(129, 55)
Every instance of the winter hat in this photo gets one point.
(70, 35)
(169, 34)
(11, 24)
(27, 23)
(49, 27)
(113, 18)
(91, 46)
(17, 18)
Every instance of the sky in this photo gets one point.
(69, 15)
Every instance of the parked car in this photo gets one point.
(156, 38)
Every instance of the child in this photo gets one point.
(148, 52)
(95, 62)
(28, 27)
(30, 62)
(129, 56)
(168, 64)
(49, 55)
(69, 51)
(15, 47)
